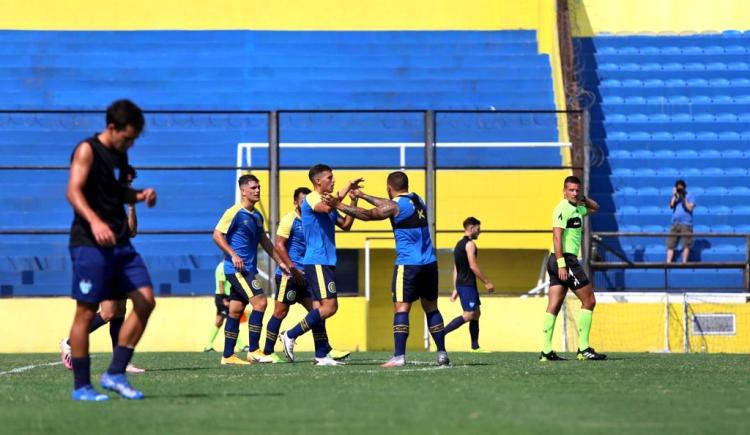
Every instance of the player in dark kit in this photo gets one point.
(565, 271)
(415, 275)
(105, 265)
(111, 311)
(465, 274)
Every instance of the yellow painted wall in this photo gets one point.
(178, 324)
(270, 15)
(507, 324)
(591, 17)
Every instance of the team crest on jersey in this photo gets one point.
(85, 286)
(291, 295)
(256, 284)
(117, 174)
(245, 222)
(332, 287)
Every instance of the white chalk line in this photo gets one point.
(27, 368)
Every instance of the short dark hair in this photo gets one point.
(246, 179)
(317, 169)
(398, 180)
(122, 113)
(471, 220)
(680, 182)
(571, 179)
(130, 171)
(299, 190)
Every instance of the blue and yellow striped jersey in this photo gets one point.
(412, 233)
(290, 228)
(320, 232)
(243, 230)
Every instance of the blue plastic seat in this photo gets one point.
(703, 117)
(672, 66)
(638, 117)
(722, 99)
(716, 66)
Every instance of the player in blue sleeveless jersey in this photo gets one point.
(105, 264)
(415, 275)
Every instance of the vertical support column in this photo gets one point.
(429, 161)
(666, 323)
(273, 181)
(586, 189)
(685, 323)
(747, 263)
(564, 326)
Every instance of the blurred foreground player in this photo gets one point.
(105, 264)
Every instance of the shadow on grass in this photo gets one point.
(212, 395)
(179, 369)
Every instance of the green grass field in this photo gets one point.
(189, 393)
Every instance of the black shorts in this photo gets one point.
(576, 276)
(221, 309)
(244, 287)
(289, 292)
(412, 282)
(321, 281)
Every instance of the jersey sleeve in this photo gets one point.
(582, 210)
(285, 226)
(560, 217)
(313, 199)
(226, 220)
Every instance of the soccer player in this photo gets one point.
(465, 274)
(319, 220)
(290, 246)
(105, 264)
(415, 275)
(565, 272)
(238, 234)
(110, 311)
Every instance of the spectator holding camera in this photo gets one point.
(682, 204)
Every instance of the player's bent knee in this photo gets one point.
(259, 303)
(280, 311)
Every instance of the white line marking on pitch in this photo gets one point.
(26, 368)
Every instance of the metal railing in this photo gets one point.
(626, 263)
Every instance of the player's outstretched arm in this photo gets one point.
(221, 241)
(80, 166)
(267, 245)
(352, 185)
(374, 200)
(385, 210)
(279, 246)
(471, 254)
(347, 222)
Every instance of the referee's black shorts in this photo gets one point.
(576, 276)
